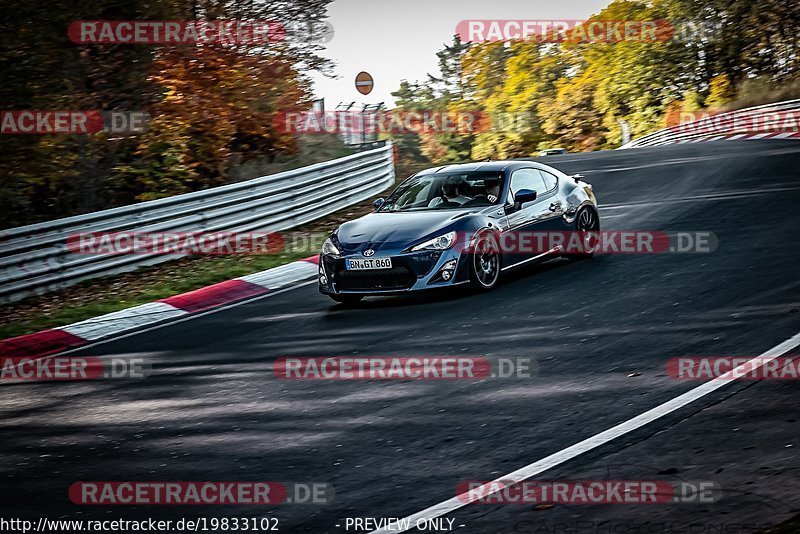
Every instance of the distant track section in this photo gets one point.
(770, 121)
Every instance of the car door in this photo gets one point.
(538, 215)
(556, 205)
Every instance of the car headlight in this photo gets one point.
(441, 242)
(329, 249)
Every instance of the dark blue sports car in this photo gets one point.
(447, 226)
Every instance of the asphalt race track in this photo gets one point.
(601, 331)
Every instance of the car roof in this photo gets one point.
(490, 166)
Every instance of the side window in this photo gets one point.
(423, 193)
(550, 181)
(527, 179)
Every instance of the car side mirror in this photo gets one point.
(377, 203)
(577, 177)
(522, 196)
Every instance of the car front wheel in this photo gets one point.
(484, 264)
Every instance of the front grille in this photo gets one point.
(394, 278)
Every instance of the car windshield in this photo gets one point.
(439, 191)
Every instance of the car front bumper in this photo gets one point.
(410, 272)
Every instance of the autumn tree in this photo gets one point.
(210, 104)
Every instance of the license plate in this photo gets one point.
(371, 263)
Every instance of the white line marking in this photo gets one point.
(595, 441)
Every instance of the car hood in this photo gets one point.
(395, 230)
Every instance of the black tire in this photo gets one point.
(348, 300)
(484, 263)
(586, 221)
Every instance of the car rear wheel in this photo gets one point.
(484, 265)
(347, 299)
(587, 222)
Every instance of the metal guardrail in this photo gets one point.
(742, 121)
(35, 259)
